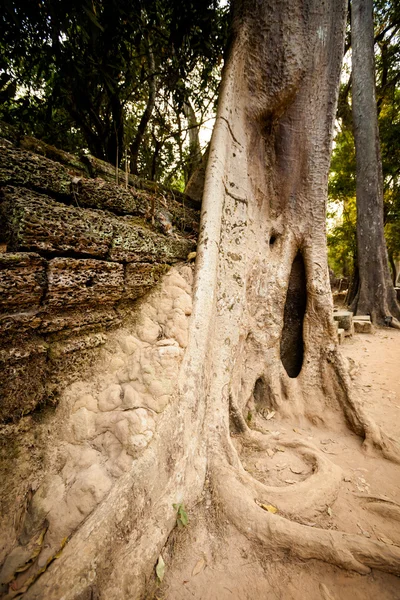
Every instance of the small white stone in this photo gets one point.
(156, 404)
(121, 431)
(139, 442)
(131, 398)
(134, 369)
(115, 364)
(87, 401)
(83, 425)
(89, 488)
(129, 344)
(120, 465)
(111, 398)
(148, 330)
(167, 342)
(160, 388)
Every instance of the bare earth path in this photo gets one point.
(210, 560)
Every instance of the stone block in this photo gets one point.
(22, 168)
(341, 335)
(23, 373)
(349, 332)
(97, 193)
(140, 277)
(58, 350)
(32, 221)
(362, 326)
(134, 243)
(22, 281)
(67, 321)
(83, 281)
(344, 318)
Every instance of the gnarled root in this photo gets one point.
(352, 552)
(381, 505)
(317, 492)
(359, 421)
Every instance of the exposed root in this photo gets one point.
(317, 492)
(395, 323)
(325, 593)
(360, 422)
(237, 417)
(382, 506)
(348, 551)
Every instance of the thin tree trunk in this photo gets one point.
(393, 266)
(146, 116)
(194, 142)
(375, 295)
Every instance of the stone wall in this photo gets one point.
(76, 252)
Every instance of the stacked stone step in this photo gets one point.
(344, 319)
(339, 332)
(362, 324)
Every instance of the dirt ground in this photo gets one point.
(211, 560)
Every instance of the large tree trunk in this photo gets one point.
(375, 294)
(261, 335)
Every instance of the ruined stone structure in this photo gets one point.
(77, 251)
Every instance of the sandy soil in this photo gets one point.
(210, 560)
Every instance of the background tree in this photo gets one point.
(375, 294)
(342, 189)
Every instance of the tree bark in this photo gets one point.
(194, 159)
(375, 294)
(261, 332)
(146, 116)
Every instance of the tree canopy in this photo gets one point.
(82, 74)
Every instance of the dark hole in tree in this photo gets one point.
(272, 240)
(292, 348)
(90, 282)
(262, 396)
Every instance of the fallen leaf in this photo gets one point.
(325, 593)
(297, 470)
(269, 508)
(329, 511)
(270, 415)
(199, 566)
(280, 449)
(160, 568)
(366, 533)
(270, 452)
(291, 481)
(386, 540)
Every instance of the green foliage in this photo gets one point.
(160, 568)
(80, 73)
(182, 519)
(342, 185)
